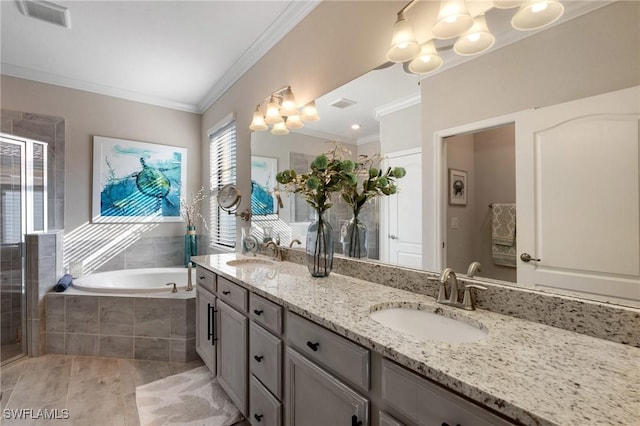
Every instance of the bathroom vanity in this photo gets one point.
(290, 349)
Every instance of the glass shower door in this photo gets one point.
(12, 231)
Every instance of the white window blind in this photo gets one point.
(222, 161)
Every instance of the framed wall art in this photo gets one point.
(137, 181)
(457, 187)
(263, 180)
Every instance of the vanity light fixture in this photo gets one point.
(282, 113)
(428, 60)
(454, 20)
(535, 14)
(280, 128)
(476, 40)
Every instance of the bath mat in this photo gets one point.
(190, 398)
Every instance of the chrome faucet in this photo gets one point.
(189, 283)
(294, 241)
(277, 254)
(448, 276)
(473, 268)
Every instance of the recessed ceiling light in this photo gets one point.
(355, 126)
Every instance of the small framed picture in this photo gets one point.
(457, 187)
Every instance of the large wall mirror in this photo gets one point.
(478, 186)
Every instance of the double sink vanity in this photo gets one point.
(290, 349)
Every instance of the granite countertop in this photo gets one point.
(533, 373)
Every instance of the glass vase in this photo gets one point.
(355, 240)
(190, 244)
(320, 247)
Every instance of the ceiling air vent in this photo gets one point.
(46, 11)
(342, 103)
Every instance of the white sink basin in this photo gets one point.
(239, 263)
(428, 325)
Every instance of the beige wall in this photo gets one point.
(555, 66)
(88, 114)
(334, 44)
(460, 226)
(494, 182)
(401, 130)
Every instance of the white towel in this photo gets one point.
(503, 234)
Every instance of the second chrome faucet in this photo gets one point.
(450, 298)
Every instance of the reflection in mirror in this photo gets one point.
(481, 211)
(399, 126)
(354, 115)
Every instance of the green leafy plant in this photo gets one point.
(372, 182)
(329, 173)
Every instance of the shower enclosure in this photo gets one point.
(23, 209)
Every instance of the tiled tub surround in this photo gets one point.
(619, 324)
(158, 326)
(530, 372)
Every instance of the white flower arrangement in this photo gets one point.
(190, 210)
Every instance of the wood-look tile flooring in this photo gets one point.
(95, 391)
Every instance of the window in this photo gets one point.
(222, 171)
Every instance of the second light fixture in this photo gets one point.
(282, 113)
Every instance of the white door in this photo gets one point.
(401, 239)
(578, 196)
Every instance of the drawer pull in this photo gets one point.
(201, 277)
(258, 417)
(258, 358)
(355, 421)
(447, 424)
(258, 312)
(226, 292)
(313, 346)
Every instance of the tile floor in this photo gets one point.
(95, 391)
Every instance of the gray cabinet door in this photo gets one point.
(206, 327)
(316, 398)
(233, 348)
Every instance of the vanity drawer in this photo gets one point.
(266, 313)
(426, 403)
(264, 409)
(344, 357)
(265, 358)
(387, 420)
(233, 294)
(206, 279)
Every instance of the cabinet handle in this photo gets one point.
(211, 325)
(202, 277)
(447, 424)
(258, 312)
(258, 358)
(355, 421)
(226, 292)
(258, 417)
(313, 346)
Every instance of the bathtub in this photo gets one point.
(148, 280)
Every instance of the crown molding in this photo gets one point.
(396, 106)
(292, 15)
(72, 83)
(323, 135)
(374, 137)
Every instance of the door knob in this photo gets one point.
(393, 237)
(526, 257)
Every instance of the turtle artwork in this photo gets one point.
(153, 183)
(141, 180)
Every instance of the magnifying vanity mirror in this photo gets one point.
(462, 176)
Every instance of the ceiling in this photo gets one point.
(185, 54)
(177, 54)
